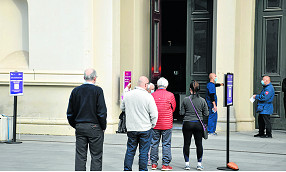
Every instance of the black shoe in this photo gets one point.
(266, 136)
(258, 135)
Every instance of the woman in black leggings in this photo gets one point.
(192, 125)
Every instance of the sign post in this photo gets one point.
(16, 89)
(228, 101)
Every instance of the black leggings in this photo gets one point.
(189, 129)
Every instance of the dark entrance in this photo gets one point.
(270, 41)
(181, 46)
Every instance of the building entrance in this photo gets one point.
(181, 45)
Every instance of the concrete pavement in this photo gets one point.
(56, 153)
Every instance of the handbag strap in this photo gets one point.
(197, 114)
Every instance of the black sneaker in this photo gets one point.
(266, 136)
(258, 135)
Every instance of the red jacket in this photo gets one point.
(166, 105)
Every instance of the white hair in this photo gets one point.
(162, 82)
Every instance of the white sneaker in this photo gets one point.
(200, 168)
(187, 167)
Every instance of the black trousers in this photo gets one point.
(190, 129)
(264, 122)
(92, 136)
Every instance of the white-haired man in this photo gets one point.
(166, 105)
(151, 88)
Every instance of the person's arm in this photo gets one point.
(219, 84)
(153, 111)
(101, 110)
(264, 96)
(212, 96)
(173, 102)
(183, 111)
(70, 112)
(122, 105)
(205, 113)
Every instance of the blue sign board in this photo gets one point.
(16, 83)
(229, 89)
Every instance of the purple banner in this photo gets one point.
(127, 78)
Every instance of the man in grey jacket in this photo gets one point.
(141, 115)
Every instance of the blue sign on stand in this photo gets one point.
(229, 89)
(16, 83)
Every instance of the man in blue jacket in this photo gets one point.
(265, 107)
(211, 99)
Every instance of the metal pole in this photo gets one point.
(14, 118)
(227, 136)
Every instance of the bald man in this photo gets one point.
(211, 99)
(141, 115)
(265, 108)
(87, 113)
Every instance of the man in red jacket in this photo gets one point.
(166, 105)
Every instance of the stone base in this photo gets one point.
(221, 126)
(65, 130)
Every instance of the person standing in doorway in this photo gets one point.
(87, 113)
(265, 107)
(284, 90)
(211, 99)
(166, 105)
(192, 125)
(141, 115)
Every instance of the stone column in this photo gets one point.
(225, 56)
(106, 55)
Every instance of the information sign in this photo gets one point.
(16, 83)
(229, 89)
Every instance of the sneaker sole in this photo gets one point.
(166, 169)
(154, 168)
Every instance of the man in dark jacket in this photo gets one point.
(265, 107)
(87, 114)
(284, 90)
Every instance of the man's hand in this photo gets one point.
(222, 84)
(254, 96)
(214, 109)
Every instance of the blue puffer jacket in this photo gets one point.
(265, 99)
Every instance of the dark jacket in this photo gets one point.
(87, 105)
(265, 99)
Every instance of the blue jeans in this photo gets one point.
(143, 138)
(166, 146)
(212, 121)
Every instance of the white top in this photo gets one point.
(140, 109)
